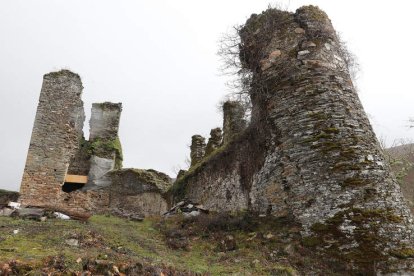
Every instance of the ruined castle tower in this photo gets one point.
(233, 122)
(105, 147)
(215, 140)
(60, 162)
(198, 149)
(310, 153)
(56, 134)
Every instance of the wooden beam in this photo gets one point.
(71, 178)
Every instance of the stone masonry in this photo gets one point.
(215, 140)
(58, 148)
(55, 138)
(198, 149)
(234, 122)
(309, 153)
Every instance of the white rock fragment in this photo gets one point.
(61, 216)
(304, 52)
(14, 205)
(299, 31)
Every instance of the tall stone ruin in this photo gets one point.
(60, 161)
(55, 138)
(310, 153)
(233, 120)
(198, 149)
(68, 173)
(215, 140)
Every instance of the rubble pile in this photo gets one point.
(186, 208)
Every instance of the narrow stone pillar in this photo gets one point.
(56, 134)
(233, 121)
(104, 123)
(215, 140)
(104, 141)
(198, 149)
(323, 159)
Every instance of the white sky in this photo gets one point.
(159, 59)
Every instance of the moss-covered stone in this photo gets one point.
(106, 148)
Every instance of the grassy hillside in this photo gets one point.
(207, 245)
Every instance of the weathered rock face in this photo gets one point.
(310, 152)
(138, 191)
(55, 138)
(234, 122)
(198, 149)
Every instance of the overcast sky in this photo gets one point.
(159, 59)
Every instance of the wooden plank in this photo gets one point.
(71, 178)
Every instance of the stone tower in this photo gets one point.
(198, 149)
(60, 162)
(233, 120)
(309, 153)
(55, 138)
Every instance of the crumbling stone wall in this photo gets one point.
(215, 140)
(55, 138)
(103, 137)
(316, 157)
(135, 191)
(198, 149)
(57, 147)
(234, 122)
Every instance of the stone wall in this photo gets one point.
(104, 122)
(233, 122)
(55, 138)
(198, 149)
(310, 153)
(215, 140)
(138, 191)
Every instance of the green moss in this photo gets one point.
(403, 253)
(312, 241)
(178, 189)
(332, 130)
(319, 227)
(354, 182)
(109, 106)
(314, 13)
(319, 115)
(105, 148)
(156, 178)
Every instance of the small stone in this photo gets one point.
(304, 52)
(265, 64)
(72, 242)
(43, 219)
(299, 31)
(269, 236)
(16, 231)
(289, 249)
(308, 44)
(328, 46)
(78, 260)
(273, 55)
